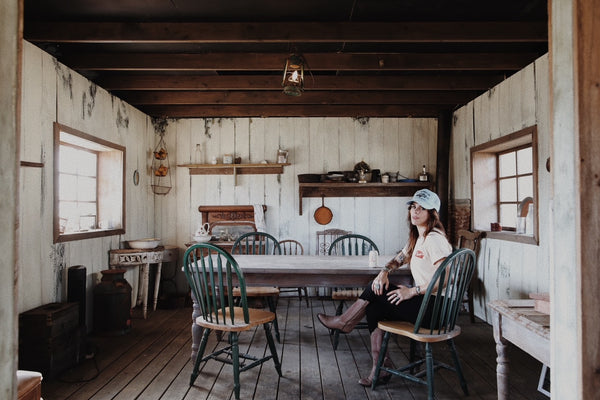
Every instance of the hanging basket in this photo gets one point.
(161, 173)
(162, 190)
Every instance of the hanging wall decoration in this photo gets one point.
(161, 172)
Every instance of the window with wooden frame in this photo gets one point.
(504, 186)
(89, 186)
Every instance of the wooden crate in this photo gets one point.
(50, 338)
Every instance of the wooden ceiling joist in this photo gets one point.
(316, 61)
(194, 111)
(312, 97)
(287, 32)
(273, 82)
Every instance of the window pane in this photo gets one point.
(67, 160)
(525, 161)
(86, 188)
(87, 208)
(507, 165)
(68, 187)
(87, 164)
(508, 215)
(508, 189)
(525, 187)
(87, 222)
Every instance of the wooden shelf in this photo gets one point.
(234, 169)
(360, 189)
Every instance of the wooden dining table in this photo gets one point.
(304, 270)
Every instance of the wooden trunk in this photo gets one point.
(50, 338)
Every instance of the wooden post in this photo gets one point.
(587, 118)
(443, 162)
(10, 67)
(575, 77)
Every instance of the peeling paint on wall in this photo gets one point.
(361, 120)
(160, 125)
(57, 257)
(122, 120)
(88, 106)
(65, 77)
(208, 122)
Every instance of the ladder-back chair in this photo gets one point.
(326, 237)
(209, 271)
(260, 243)
(436, 322)
(470, 240)
(290, 247)
(351, 244)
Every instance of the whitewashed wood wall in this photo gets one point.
(508, 269)
(316, 145)
(52, 92)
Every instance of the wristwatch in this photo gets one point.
(418, 290)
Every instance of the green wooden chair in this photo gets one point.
(444, 302)
(260, 243)
(351, 244)
(209, 271)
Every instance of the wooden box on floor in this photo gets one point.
(50, 338)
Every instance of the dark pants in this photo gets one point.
(380, 309)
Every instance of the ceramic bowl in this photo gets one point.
(202, 238)
(148, 243)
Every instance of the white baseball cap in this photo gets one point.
(426, 199)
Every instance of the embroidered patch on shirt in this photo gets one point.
(419, 254)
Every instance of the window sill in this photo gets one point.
(69, 237)
(512, 237)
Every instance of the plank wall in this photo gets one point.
(508, 269)
(316, 145)
(52, 92)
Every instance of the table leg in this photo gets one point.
(157, 283)
(140, 286)
(146, 272)
(502, 367)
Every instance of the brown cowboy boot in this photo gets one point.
(348, 320)
(384, 377)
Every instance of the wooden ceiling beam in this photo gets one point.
(286, 32)
(214, 111)
(316, 61)
(312, 97)
(273, 82)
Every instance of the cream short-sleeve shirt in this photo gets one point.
(427, 252)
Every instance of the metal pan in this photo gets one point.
(323, 215)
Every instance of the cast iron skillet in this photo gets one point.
(323, 215)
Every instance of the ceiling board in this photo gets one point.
(189, 58)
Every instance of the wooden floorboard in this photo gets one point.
(152, 362)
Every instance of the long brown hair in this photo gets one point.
(433, 222)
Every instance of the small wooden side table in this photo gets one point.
(142, 258)
(518, 322)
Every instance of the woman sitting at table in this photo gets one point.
(426, 249)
